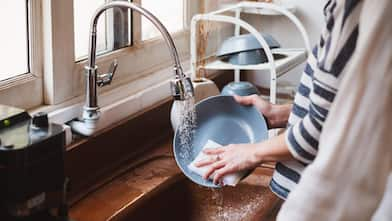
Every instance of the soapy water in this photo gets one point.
(186, 128)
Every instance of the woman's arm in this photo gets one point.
(273, 150)
(238, 157)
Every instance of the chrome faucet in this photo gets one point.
(181, 85)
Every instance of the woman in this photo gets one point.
(298, 146)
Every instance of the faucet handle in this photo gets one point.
(105, 79)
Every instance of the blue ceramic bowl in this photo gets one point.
(245, 49)
(246, 42)
(223, 120)
(242, 88)
(246, 57)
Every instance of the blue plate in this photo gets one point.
(223, 120)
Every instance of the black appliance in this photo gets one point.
(32, 176)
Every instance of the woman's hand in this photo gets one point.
(238, 157)
(277, 115)
(229, 159)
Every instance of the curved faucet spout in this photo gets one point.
(154, 20)
(181, 85)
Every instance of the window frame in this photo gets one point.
(18, 90)
(56, 77)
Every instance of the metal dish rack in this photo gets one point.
(276, 68)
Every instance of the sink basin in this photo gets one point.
(180, 199)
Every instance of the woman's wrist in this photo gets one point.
(257, 153)
(278, 115)
(272, 150)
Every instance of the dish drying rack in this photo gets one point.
(276, 68)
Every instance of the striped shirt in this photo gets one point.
(316, 92)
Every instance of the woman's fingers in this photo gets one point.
(205, 162)
(211, 170)
(245, 100)
(220, 173)
(213, 151)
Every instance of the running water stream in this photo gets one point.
(187, 126)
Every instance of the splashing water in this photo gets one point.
(187, 126)
(231, 206)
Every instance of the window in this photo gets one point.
(44, 45)
(170, 14)
(13, 39)
(114, 28)
(111, 33)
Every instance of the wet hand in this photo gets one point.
(263, 106)
(276, 115)
(230, 159)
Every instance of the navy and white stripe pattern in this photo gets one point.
(316, 92)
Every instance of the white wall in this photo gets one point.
(310, 14)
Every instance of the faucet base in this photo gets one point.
(88, 125)
(85, 128)
(91, 113)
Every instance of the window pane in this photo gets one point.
(113, 30)
(83, 11)
(170, 14)
(13, 38)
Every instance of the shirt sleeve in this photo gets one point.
(302, 138)
(347, 180)
(303, 129)
(311, 110)
(332, 57)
